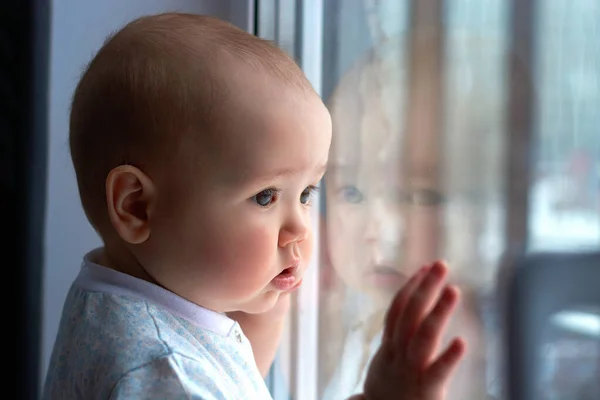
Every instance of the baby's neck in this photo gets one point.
(119, 258)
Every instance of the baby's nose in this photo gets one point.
(384, 223)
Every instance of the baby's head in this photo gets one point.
(196, 148)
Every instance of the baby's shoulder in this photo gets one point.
(138, 347)
(127, 342)
(119, 331)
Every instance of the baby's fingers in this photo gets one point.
(427, 338)
(438, 373)
(418, 304)
(400, 300)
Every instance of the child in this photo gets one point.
(384, 216)
(197, 147)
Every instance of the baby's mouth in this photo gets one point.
(287, 272)
(287, 279)
(385, 276)
(385, 269)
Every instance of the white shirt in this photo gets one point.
(124, 338)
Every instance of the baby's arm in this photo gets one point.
(406, 367)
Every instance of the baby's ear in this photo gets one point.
(130, 197)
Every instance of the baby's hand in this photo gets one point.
(406, 367)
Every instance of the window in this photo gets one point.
(565, 203)
(466, 130)
(416, 174)
(571, 355)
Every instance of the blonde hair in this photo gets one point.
(158, 79)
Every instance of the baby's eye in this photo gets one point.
(424, 197)
(351, 194)
(266, 197)
(307, 194)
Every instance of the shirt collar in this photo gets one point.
(97, 278)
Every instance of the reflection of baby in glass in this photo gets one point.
(382, 224)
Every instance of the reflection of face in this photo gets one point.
(382, 215)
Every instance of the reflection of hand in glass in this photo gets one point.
(406, 366)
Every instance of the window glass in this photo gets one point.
(570, 355)
(420, 167)
(565, 201)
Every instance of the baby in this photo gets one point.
(197, 148)
(387, 210)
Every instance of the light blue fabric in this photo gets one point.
(114, 346)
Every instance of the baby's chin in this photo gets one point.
(274, 303)
(381, 282)
(381, 297)
(376, 295)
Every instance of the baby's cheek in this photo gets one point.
(345, 242)
(258, 247)
(252, 255)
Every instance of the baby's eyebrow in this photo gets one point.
(284, 172)
(345, 168)
(422, 171)
(337, 167)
